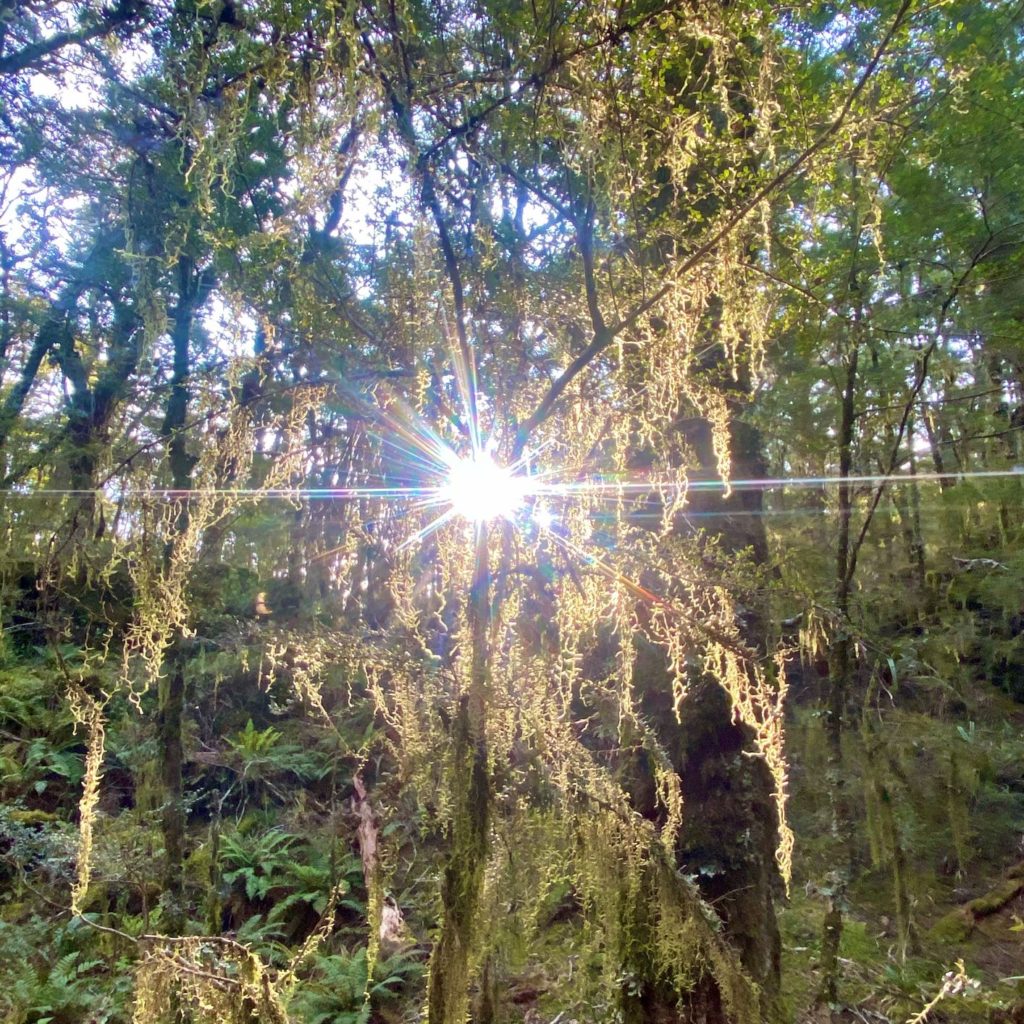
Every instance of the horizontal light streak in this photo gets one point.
(599, 486)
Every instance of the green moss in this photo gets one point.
(954, 927)
(997, 898)
(958, 924)
(858, 944)
(24, 817)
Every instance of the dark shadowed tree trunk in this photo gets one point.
(728, 837)
(192, 290)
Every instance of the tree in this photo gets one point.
(546, 238)
(894, 277)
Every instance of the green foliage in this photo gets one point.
(261, 756)
(64, 994)
(252, 745)
(310, 886)
(47, 980)
(256, 862)
(41, 763)
(337, 991)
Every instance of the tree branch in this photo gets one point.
(32, 55)
(602, 339)
(908, 408)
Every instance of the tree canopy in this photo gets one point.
(510, 510)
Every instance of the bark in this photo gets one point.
(92, 407)
(937, 440)
(841, 665)
(7, 264)
(469, 845)
(366, 831)
(172, 756)
(180, 461)
(915, 538)
(50, 336)
(191, 291)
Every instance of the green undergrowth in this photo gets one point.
(272, 833)
(956, 786)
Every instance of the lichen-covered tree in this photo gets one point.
(336, 245)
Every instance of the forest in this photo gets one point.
(511, 512)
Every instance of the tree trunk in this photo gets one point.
(169, 736)
(841, 665)
(172, 687)
(469, 841)
(728, 837)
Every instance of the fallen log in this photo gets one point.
(957, 925)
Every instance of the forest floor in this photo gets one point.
(949, 835)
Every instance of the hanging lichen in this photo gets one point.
(163, 552)
(87, 712)
(211, 979)
(958, 793)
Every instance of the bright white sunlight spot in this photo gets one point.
(479, 489)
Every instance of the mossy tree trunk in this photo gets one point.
(469, 839)
(728, 837)
(171, 694)
(170, 716)
(841, 668)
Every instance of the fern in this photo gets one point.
(65, 992)
(312, 887)
(256, 861)
(336, 991)
(253, 743)
(260, 755)
(255, 931)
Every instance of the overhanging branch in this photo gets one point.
(603, 338)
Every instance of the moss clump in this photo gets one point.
(958, 924)
(27, 817)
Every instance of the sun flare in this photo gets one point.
(479, 489)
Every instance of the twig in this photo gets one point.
(105, 928)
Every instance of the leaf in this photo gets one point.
(892, 670)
